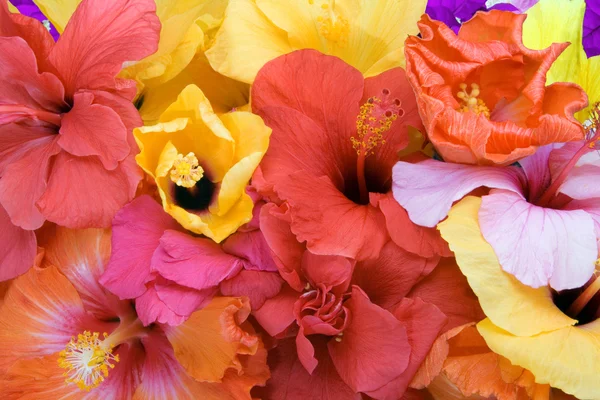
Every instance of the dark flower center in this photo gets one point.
(195, 198)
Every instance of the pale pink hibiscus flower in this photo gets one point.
(66, 149)
(542, 218)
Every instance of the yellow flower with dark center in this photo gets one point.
(202, 162)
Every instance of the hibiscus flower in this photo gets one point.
(554, 335)
(346, 327)
(171, 273)
(29, 8)
(483, 94)
(65, 121)
(335, 139)
(62, 335)
(541, 218)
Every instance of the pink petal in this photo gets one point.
(423, 322)
(81, 193)
(24, 182)
(390, 277)
(427, 189)
(539, 246)
(124, 379)
(290, 380)
(537, 171)
(196, 263)
(16, 140)
(329, 222)
(94, 130)
(592, 207)
(150, 309)
(136, 231)
(306, 352)
(258, 286)
(374, 349)
(100, 37)
(181, 299)
(328, 271)
(277, 313)
(582, 182)
(252, 248)
(426, 242)
(18, 250)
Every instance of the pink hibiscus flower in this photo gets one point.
(62, 335)
(66, 149)
(335, 138)
(172, 273)
(347, 327)
(542, 218)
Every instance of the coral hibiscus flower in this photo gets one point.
(541, 218)
(171, 273)
(347, 327)
(62, 334)
(554, 335)
(483, 94)
(335, 139)
(65, 121)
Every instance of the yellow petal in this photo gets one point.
(220, 227)
(245, 42)
(58, 11)
(567, 358)
(556, 22)
(12, 8)
(517, 308)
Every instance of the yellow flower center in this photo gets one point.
(186, 172)
(87, 360)
(470, 100)
(332, 26)
(372, 121)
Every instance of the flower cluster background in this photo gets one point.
(300, 199)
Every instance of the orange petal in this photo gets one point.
(209, 342)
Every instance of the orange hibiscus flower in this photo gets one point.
(482, 94)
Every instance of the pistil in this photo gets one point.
(584, 298)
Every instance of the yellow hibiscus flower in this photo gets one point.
(524, 324)
(367, 34)
(202, 162)
(559, 21)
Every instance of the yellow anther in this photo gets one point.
(372, 121)
(87, 360)
(333, 26)
(470, 100)
(186, 172)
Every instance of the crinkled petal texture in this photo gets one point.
(488, 51)
(523, 323)
(557, 22)
(311, 101)
(18, 246)
(257, 31)
(228, 149)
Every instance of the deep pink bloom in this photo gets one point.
(346, 327)
(66, 149)
(542, 218)
(172, 273)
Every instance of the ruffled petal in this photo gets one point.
(277, 313)
(181, 299)
(19, 248)
(258, 286)
(150, 309)
(328, 271)
(539, 246)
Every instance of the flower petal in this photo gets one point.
(277, 313)
(150, 309)
(258, 286)
(181, 299)
(19, 248)
(539, 246)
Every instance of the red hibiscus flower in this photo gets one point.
(335, 139)
(66, 149)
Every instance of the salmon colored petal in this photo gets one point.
(100, 37)
(539, 246)
(93, 130)
(448, 289)
(494, 25)
(359, 231)
(41, 311)
(290, 381)
(423, 322)
(19, 248)
(208, 343)
(81, 256)
(390, 277)
(414, 238)
(16, 140)
(96, 198)
(374, 349)
(258, 286)
(519, 309)
(150, 309)
(23, 184)
(329, 271)
(136, 230)
(277, 313)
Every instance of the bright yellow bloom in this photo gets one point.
(558, 21)
(367, 34)
(202, 162)
(523, 325)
